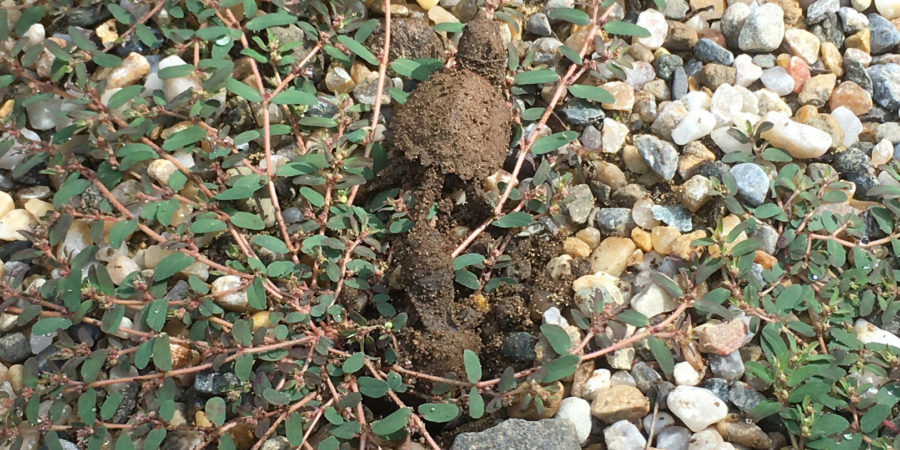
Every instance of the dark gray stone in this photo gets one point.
(767, 236)
(730, 367)
(854, 71)
(718, 386)
(765, 60)
(87, 17)
(626, 196)
(645, 377)
(538, 25)
(679, 85)
(743, 397)
(817, 11)
(547, 434)
(693, 67)
(129, 393)
(666, 64)
(215, 383)
(6, 183)
(829, 29)
(581, 112)
(518, 347)
(674, 216)
(863, 181)
(752, 183)
(660, 155)
(884, 36)
(14, 348)
(709, 52)
(851, 160)
(615, 221)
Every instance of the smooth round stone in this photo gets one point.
(160, 170)
(133, 68)
(708, 51)
(654, 22)
(695, 125)
(752, 182)
(802, 43)
(725, 103)
(120, 267)
(597, 382)
(15, 221)
(886, 85)
(728, 143)
(14, 348)
(801, 141)
(850, 124)
(697, 407)
(663, 420)
(538, 25)
(732, 22)
(623, 93)
(884, 36)
(746, 71)
(613, 135)
(763, 30)
(882, 153)
(686, 375)
(642, 214)
(778, 80)
(624, 435)
(673, 438)
(577, 411)
(851, 96)
(546, 50)
(42, 114)
(639, 74)
(236, 299)
(890, 9)
(697, 191)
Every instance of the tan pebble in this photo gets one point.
(441, 15)
(359, 72)
(633, 160)
(590, 235)
(610, 174)
(16, 376)
(260, 320)
(181, 355)
(764, 259)
(6, 108)
(663, 239)
(831, 58)
(682, 245)
(636, 257)
(427, 4)
(861, 40)
(6, 203)
(106, 31)
(623, 93)
(851, 96)
(38, 208)
(642, 239)
(611, 255)
(133, 68)
(201, 420)
(15, 221)
(806, 112)
(576, 248)
(783, 60)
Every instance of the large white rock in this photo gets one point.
(577, 411)
(654, 22)
(697, 407)
(890, 9)
(119, 267)
(624, 435)
(728, 143)
(695, 125)
(868, 333)
(725, 103)
(801, 141)
(777, 80)
(15, 221)
(228, 293)
(653, 301)
(851, 124)
(172, 87)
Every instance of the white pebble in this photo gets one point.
(552, 316)
(868, 333)
(746, 72)
(882, 153)
(800, 140)
(697, 407)
(686, 375)
(725, 103)
(160, 170)
(695, 100)
(890, 9)
(728, 143)
(654, 22)
(777, 80)
(235, 300)
(577, 411)
(120, 267)
(15, 221)
(172, 87)
(599, 380)
(695, 125)
(849, 123)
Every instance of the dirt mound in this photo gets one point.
(481, 49)
(411, 38)
(457, 121)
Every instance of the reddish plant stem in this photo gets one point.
(299, 404)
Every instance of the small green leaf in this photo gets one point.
(372, 387)
(278, 19)
(256, 294)
(215, 410)
(162, 355)
(314, 198)
(294, 97)
(243, 366)
(70, 188)
(183, 138)
(172, 264)
(662, 354)
(467, 279)
(513, 220)
(466, 260)
(358, 49)
(293, 428)
(438, 412)
(207, 226)
(557, 337)
(124, 95)
(570, 15)
(49, 325)
(626, 29)
(560, 368)
(552, 142)
(353, 363)
(476, 404)
(633, 317)
(110, 405)
(270, 243)
(121, 230)
(540, 76)
(242, 90)
(776, 155)
(276, 397)
(472, 366)
(595, 93)
(449, 27)
(669, 285)
(247, 220)
(87, 406)
(395, 421)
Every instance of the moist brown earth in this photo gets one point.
(455, 121)
(481, 49)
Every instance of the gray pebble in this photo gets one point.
(884, 36)
(709, 52)
(14, 348)
(674, 216)
(660, 155)
(752, 183)
(538, 25)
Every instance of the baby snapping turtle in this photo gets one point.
(454, 124)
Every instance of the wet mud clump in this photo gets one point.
(481, 49)
(456, 125)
